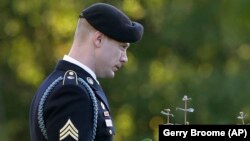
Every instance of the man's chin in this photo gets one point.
(110, 75)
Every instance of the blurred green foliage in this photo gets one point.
(190, 47)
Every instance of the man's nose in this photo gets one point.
(124, 58)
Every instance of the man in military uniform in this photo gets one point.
(70, 104)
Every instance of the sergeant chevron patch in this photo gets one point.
(68, 130)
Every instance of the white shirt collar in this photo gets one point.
(74, 61)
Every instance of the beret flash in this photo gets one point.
(112, 22)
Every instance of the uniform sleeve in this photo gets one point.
(69, 115)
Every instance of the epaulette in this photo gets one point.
(70, 77)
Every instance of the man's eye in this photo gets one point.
(122, 46)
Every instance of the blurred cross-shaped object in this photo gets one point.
(168, 114)
(185, 109)
(242, 116)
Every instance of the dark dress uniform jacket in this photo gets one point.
(64, 109)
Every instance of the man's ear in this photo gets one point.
(98, 39)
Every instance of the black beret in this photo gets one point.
(112, 22)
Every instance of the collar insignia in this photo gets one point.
(90, 80)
